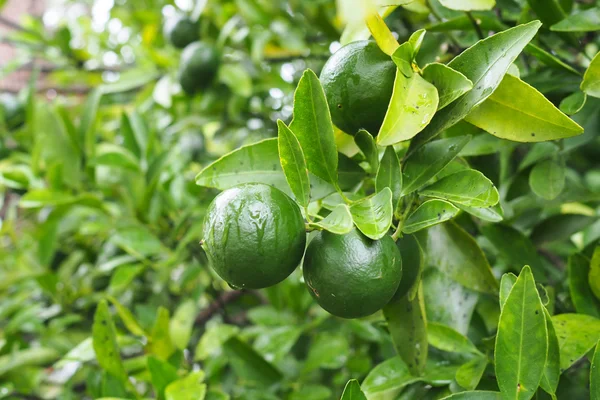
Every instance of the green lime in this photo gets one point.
(180, 31)
(350, 275)
(12, 111)
(198, 66)
(411, 264)
(358, 80)
(254, 235)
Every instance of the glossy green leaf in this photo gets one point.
(594, 274)
(137, 240)
(429, 160)
(450, 83)
(313, 127)
(547, 179)
(328, 350)
(292, 162)
(104, 338)
(127, 317)
(445, 338)
(389, 175)
(468, 5)
(577, 335)
(182, 323)
(249, 365)
(407, 323)
(413, 104)
(352, 391)
(484, 64)
(412, 266)
(373, 215)
(595, 375)
(573, 103)
(469, 374)
(366, 144)
(455, 252)
(188, 388)
(339, 221)
(160, 343)
(403, 58)
(89, 116)
(429, 213)
(591, 79)
(579, 286)
(161, 375)
(491, 214)
(551, 375)
(115, 156)
(583, 21)
(558, 227)
(468, 187)
(517, 111)
(522, 340)
(475, 395)
(416, 40)
(506, 284)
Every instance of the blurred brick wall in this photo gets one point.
(13, 11)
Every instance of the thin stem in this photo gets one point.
(475, 25)
(398, 233)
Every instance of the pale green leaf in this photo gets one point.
(594, 274)
(475, 395)
(583, 21)
(293, 164)
(182, 323)
(468, 5)
(547, 178)
(127, 317)
(551, 375)
(591, 80)
(469, 374)
(450, 83)
(506, 284)
(445, 338)
(188, 388)
(373, 215)
(159, 342)
(339, 221)
(429, 213)
(573, 103)
(468, 187)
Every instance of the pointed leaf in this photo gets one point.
(366, 144)
(389, 175)
(469, 374)
(551, 375)
(403, 58)
(517, 111)
(573, 103)
(292, 162)
(313, 127)
(104, 338)
(506, 284)
(594, 274)
(491, 214)
(595, 375)
(429, 213)
(352, 391)
(591, 80)
(522, 340)
(547, 178)
(182, 323)
(249, 365)
(428, 160)
(577, 335)
(468, 5)
(373, 215)
(484, 64)
(579, 288)
(339, 221)
(127, 318)
(468, 187)
(450, 83)
(583, 21)
(407, 324)
(159, 342)
(475, 395)
(416, 40)
(445, 338)
(188, 388)
(549, 59)
(413, 104)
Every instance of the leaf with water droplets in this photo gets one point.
(373, 215)
(413, 104)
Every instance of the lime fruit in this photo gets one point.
(350, 275)
(180, 31)
(358, 80)
(254, 235)
(198, 66)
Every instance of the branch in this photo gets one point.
(475, 25)
(221, 301)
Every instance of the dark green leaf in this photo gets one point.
(551, 375)
(475, 395)
(450, 83)
(366, 144)
(573, 103)
(389, 175)
(547, 179)
(559, 227)
(594, 274)
(249, 365)
(292, 162)
(429, 213)
(352, 391)
(105, 342)
(579, 287)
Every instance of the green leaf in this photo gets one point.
(491, 214)
(551, 375)
(237, 78)
(212, 340)
(352, 391)
(413, 104)
(451, 249)
(127, 317)
(416, 40)
(445, 338)
(547, 178)
(115, 156)
(484, 64)
(161, 375)
(314, 129)
(188, 388)
(450, 83)
(518, 112)
(104, 338)
(403, 58)
(579, 286)
(182, 323)
(522, 340)
(462, 22)
(475, 395)
(328, 350)
(389, 175)
(339, 221)
(159, 342)
(469, 374)
(577, 335)
(468, 5)
(549, 11)
(468, 187)
(37, 198)
(429, 213)
(583, 21)
(573, 103)
(292, 162)
(558, 227)
(249, 365)
(407, 324)
(86, 130)
(137, 240)
(366, 144)
(594, 274)
(276, 343)
(549, 59)
(595, 375)
(506, 284)
(429, 160)
(591, 79)
(373, 215)
(33, 356)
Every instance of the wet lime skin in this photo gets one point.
(358, 80)
(198, 66)
(352, 276)
(180, 31)
(254, 235)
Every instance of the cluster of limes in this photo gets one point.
(255, 236)
(199, 60)
(12, 111)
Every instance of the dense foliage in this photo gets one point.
(484, 168)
